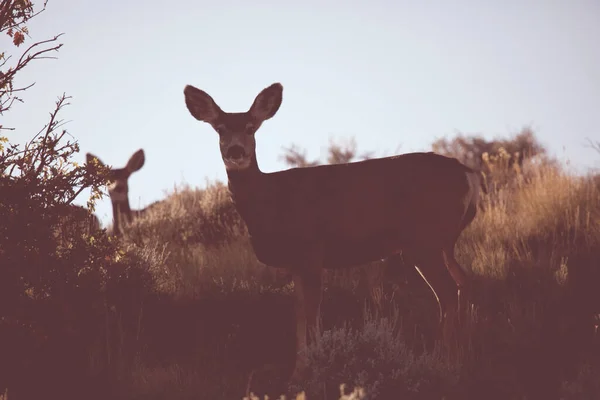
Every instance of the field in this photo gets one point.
(182, 309)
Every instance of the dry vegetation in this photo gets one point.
(200, 316)
(181, 309)
(531, 334)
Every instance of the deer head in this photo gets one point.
(236, 130)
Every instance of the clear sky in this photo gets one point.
(396, 75)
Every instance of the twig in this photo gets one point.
(593, 145)
(7, 78)
(51, 127)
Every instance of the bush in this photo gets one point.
(63, 282)
(377, 359)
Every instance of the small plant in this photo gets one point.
(376, 359)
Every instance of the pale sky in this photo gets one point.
(396, 75)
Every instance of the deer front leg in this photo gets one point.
(301, 342)
(308, 290)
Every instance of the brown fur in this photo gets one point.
(335, 216)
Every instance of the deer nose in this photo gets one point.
(235, 152)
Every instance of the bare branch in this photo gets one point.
(50, 128)
(5, 60)
(23, 88)
(593, 145)
(6, 79)
(296, 157)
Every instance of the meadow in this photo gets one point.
(180, 308)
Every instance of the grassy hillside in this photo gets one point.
(533, 251)
(208, 319)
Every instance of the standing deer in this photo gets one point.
(335, 216)
(118, 190)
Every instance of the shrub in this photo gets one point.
(63, 285)
(376, 359)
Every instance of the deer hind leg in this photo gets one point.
(308, 290)
(462, 281)
(432, 267)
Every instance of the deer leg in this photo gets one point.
(301, 328)
(308, 290)
(432, 267)
(313, 294)
(461, 278)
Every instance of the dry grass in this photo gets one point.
(215, 316)
(533, 251)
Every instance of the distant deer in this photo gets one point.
(118, 190)
(335, 216)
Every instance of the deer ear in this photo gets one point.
(267, 102)
(89, 157)
(201, 105)
(136, 161)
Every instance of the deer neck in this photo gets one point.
(244, 187)
(121, 215)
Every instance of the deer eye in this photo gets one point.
(220, 129)
(250, 128)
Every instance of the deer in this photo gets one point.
(118, 190)
(342, 215)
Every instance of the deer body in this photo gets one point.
(335, 216)
(353, 213)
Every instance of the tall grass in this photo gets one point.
(532, 251)
(214, 322)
